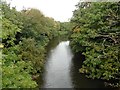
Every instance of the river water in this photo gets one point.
(62, 69)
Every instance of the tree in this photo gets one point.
(25, 35)
(15, 73)
(97, 31)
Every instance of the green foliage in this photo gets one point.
(9, 30)
(97, 35)
(65, 28)
(31, 51)
(36, 33)
(11, 14)
(15, 73)
(36, 25)
(25, 35)
(0, 68)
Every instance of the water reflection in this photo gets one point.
(62, 68)
(57, 69)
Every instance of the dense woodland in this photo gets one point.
(94, 31)
(25, 35)
(96, 35)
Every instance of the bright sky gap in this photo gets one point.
(60, 10)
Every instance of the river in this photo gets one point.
(62, 68)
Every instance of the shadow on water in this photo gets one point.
(79, 80)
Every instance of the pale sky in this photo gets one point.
(60, 10)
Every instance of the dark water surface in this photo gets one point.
(62, 68)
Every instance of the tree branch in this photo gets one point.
(107, 36)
